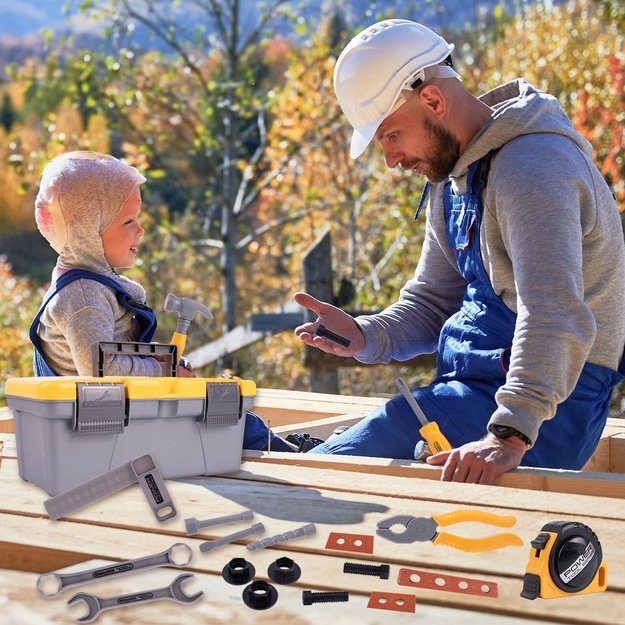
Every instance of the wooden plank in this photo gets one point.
(532, 479)
(7, 446)
(617, 453)
(322, 569)
(221, 605)
(6, 421)
(318, 403)
(594, 484)
(284, 408)
(232, 341)
(123, 527)
(420, 491)
(333, 504)
(601, 459)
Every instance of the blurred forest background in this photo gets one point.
(227, 107)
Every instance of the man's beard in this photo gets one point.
(445, 150)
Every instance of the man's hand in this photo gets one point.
(334, 319)
(480, 462)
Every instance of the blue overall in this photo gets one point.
(472, 361)
(256, 432)
(143, 314)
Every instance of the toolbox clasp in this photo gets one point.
(223, 404)
(100, 408)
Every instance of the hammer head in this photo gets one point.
(186, 308)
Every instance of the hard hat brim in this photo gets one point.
(361, 138)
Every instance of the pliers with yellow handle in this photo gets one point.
(420, 529)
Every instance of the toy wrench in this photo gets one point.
(420, 529)
(52, 584)
(173, 592)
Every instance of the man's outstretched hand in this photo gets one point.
(480, 462)
(334, 319)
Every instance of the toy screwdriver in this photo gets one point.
(429, 430)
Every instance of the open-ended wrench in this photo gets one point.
(53, 584)
(173, 592)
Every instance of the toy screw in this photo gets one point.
(382, 571)
(309, 597)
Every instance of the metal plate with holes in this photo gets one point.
(450, 583)
(392, 601)
(356, 543)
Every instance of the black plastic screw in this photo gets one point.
(382, 571)
(309, 597)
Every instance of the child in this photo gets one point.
(88, 209)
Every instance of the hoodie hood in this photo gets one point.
(518, 109)
(80, 195)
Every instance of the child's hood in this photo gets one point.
(80, 195)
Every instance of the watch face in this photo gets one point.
(505, 431)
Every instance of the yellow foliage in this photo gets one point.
(573, 52)
(19, 301)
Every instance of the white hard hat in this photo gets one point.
(377, 64)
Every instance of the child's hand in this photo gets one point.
(185, 372)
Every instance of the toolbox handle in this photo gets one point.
(132, 348)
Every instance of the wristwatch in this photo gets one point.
(505, 431)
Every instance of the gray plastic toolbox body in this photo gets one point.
(70, 429)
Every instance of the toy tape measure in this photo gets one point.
(565, 560)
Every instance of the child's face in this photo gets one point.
(121, 238)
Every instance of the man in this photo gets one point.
(520, 287)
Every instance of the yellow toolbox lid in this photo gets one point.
(63, 388)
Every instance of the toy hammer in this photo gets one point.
(186, 309)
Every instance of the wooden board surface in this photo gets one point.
(220, 605)
(338, 494)
(123, 527)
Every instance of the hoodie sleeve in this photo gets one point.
(411, 325)
(543, 204)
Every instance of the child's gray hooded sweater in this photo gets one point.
(552, 245)
(80, 195)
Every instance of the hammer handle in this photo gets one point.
(179, 340)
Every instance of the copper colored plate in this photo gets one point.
(392, 601)
(450, 583)
(357, 543)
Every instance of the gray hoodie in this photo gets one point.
(552, 245)
(80, 195)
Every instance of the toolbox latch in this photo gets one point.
(223, 404)
(100, 408)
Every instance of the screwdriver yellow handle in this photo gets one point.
(434, 438)
(476, 516)
(474, 545)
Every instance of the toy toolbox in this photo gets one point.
(70, 429)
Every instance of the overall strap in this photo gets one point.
(480, 178)
(144, 314)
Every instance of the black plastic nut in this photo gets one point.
(284, 571)
(238, 571)
(260, 595)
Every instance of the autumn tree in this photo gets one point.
(195, 108)
(574, 51)
(368, 208)
(19, 300)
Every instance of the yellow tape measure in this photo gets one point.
(565, 560)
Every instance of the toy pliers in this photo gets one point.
(419, 529)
